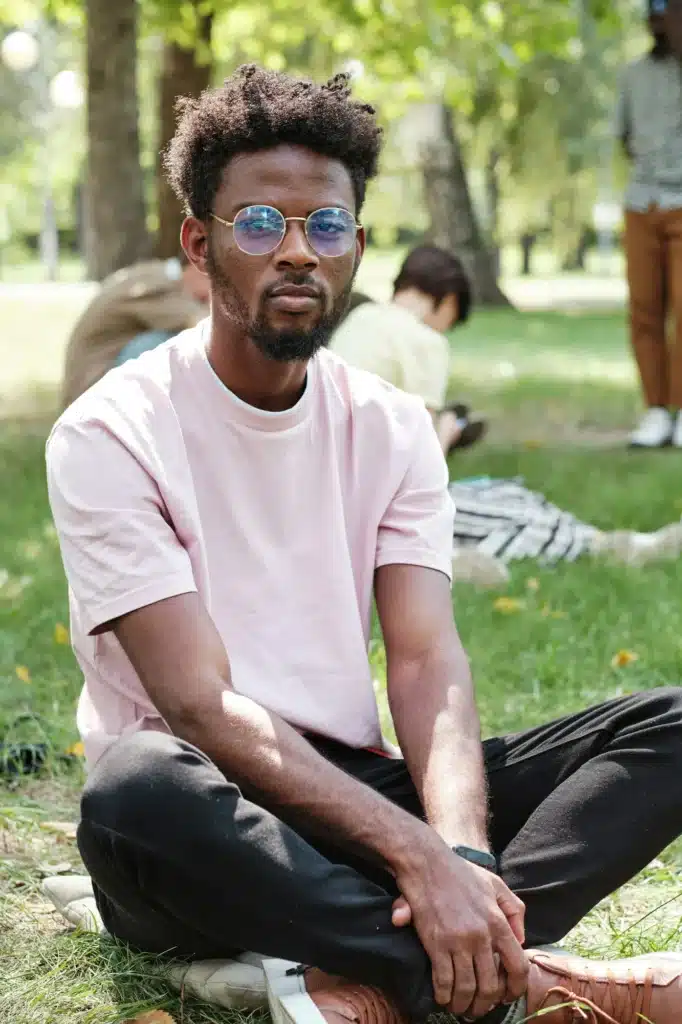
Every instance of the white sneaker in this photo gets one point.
(237, 984)
(654, 431)
(677, 432)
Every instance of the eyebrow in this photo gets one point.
(234, 210)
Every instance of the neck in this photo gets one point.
(251, 375)
(418, 303)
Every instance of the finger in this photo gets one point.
(443, 976)
(516, 923)
(513, 909)
(402, 913)
(490, 987)
(465, 983)
(514, 962)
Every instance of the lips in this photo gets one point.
(291, 298)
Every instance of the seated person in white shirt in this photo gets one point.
(404, 341)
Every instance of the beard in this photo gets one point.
(283, 345)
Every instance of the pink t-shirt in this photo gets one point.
(162, 482)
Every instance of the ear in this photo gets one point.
(194, 238)
(360, 244)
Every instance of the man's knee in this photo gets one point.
(664, 701)
(143, 769)
(659, 713)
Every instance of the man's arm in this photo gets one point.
(180, 659)
(179, 656)
(475, 916)
(431, 698)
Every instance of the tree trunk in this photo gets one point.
(492, 191)
(527, 243)
(454, 224)
(182, 74)
(116, 228)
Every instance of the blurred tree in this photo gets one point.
(116, 232)
(453, 221)
(186, 70)
(516, 144)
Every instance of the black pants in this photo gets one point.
(182, 861)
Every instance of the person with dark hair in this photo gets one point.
(404, 341)
(440, 275)
(133, 311)
(649, 123)
(228, 505)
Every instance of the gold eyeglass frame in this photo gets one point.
(303, 220)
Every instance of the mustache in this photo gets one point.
(296, 280)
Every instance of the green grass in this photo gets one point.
(558, 422)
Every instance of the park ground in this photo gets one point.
(560, 392)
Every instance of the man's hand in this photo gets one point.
(471, 926)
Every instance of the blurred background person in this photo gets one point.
(135, 310)
(405, 342)
(649, 123)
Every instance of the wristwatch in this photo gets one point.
(478, 857)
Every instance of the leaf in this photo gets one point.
(624, 658)
(23, 673)
(508, 605)
(63, 828)
(76, 749)
(533, 584)
(61, 634)
(153, 1017)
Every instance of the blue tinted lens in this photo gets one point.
(258, 229)
(331, 232)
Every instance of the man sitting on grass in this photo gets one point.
(134, 310)
(405, 342)
(227, 505)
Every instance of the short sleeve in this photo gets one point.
(119, 550)
(417, 527)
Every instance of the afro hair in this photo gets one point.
(257, 109)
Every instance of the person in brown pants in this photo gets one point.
(650, 126)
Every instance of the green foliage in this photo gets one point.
(532, 81)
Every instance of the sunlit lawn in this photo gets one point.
(559, 390)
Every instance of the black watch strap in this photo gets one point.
(478, 857)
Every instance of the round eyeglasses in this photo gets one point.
(259, 230)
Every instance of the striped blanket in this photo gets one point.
(506, 520)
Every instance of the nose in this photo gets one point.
(295, 251)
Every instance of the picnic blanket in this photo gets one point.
(506, 520)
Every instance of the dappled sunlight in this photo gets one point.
(482, 367)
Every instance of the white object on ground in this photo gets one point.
(654, 431)
(237, 984)
(626, 547)
(677, 432)
(73, 897)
